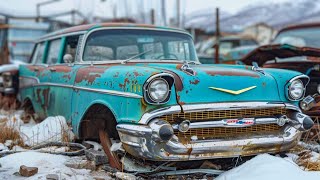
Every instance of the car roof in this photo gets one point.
(88, 27)
(300, 26)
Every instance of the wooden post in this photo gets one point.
(152, 16)
(217, 37)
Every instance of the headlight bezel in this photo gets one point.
(167, 78)
(304, 81)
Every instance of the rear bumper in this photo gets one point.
(138, 140)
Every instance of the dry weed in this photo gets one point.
(307, 161)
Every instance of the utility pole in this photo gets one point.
(178, 13)
(217, 37)
(163, 12)
(152, 16)
(42, 4)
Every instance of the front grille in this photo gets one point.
(223, 114)
(224, 132)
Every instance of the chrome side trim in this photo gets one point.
(213, 107)
(35, 83)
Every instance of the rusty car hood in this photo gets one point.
(266, 53)
(225, 83)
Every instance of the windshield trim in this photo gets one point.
(136, 61)
(84, 40)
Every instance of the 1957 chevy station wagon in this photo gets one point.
(143, 86)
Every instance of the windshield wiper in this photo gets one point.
(135, 56)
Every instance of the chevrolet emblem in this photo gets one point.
(234, 92)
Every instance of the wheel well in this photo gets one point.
(98, 117)
(28, 106)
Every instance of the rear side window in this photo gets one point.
(38, 53)
(53, 53)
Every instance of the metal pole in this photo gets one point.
(163, 12)
(178, 13)
(152, 16)
(217, 37)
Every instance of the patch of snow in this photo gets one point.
(47, 164)
(50, 129)
(266, 167)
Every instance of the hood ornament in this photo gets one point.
(187, 69)
(255, 67)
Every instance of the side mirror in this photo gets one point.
(67, 58)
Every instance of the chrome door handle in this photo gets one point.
(52, 69)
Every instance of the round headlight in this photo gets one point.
(158, 90)
(296, 89)
(318, 88)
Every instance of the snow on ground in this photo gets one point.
(52, 129)
(267, 167)
(47, 164)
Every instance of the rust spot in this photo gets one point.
(89, 74)
(194, 82)
(63, 69)
(179, 66)
(232, 73)
(67, 76)
(116, 74)
(143, 105)
(45, 94)
(137, 73)
(123, 86)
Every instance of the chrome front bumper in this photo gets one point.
(141, 141)
(138, 141)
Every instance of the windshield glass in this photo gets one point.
(300, 37)
(124, 44)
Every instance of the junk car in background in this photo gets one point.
(206, 48)
(297, 48)
(142, 87)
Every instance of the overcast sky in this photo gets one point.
(104, 7)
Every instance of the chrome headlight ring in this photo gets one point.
(296, 87)
(157, 88)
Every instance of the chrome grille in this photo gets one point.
(224, 114)
(224, 132)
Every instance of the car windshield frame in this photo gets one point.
(299, 33)
(184, 36)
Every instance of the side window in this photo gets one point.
(71, 46)
(38, 53)
(53, 53)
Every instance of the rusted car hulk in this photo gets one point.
(143, 86)
(296, 48)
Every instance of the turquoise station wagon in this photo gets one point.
(143, 87)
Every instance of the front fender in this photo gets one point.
(282, 78)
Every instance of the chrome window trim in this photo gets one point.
(102, 91)
(212, 107)
(134, 28)
(50, 37)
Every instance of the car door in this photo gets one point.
(62, 75)
(33, 79)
